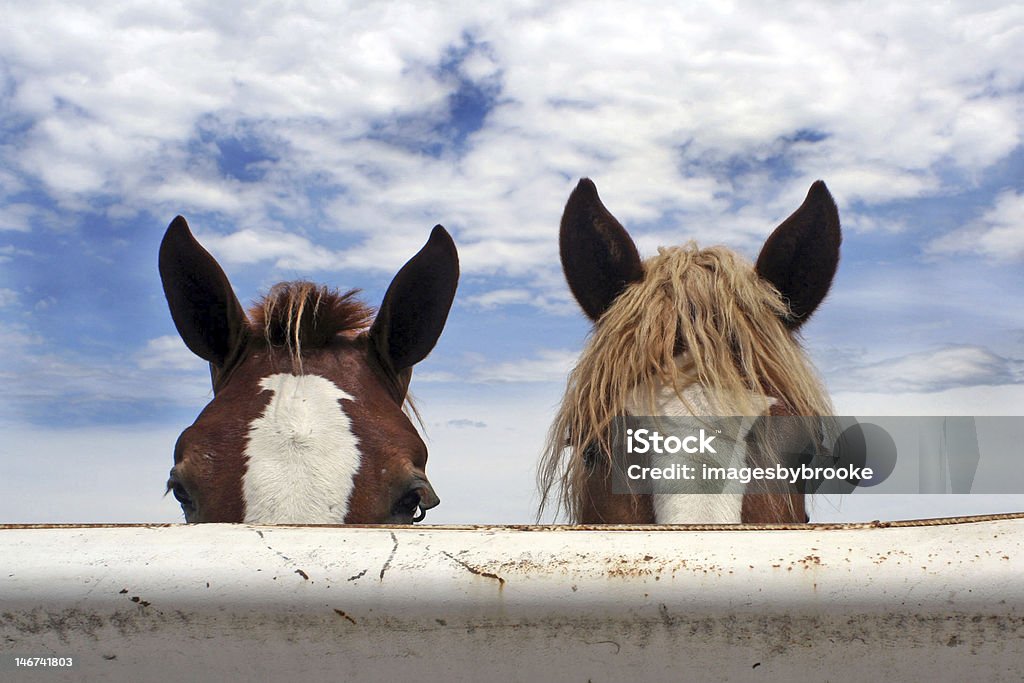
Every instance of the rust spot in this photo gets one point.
(810, 560)
(902, 524)
(137, 599)
(474, 570)
(123, 591)
(343, 615)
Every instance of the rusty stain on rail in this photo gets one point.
(876, 524)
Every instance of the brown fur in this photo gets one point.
(327, 334)
(210, 454)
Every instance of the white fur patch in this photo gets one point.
(302, 454)
(695, 508)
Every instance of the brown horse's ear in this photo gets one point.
(204, 307)
(417, 302)
(801, 256)
(598, 255)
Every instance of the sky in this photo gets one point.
(324, 140)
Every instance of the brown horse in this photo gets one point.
(689, 332)
(306, 425)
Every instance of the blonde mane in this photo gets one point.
(698, 316)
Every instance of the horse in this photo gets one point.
(306, 424)
(689, 332)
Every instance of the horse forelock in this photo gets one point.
(698, 318)
(302, 315)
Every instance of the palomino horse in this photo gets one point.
(689, 332)
(306, 423)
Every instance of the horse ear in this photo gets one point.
(205, 310)
(801, 255)
(417, 302)
(599, 257)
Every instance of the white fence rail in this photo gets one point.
(941, 600)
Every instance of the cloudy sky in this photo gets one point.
(324, 140)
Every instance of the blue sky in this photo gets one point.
(324, 141)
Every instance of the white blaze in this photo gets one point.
(302, 454)
(694, 508)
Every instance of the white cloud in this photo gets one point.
(463, 423)
(679, 110)
(929, 371)
(544, 366)
(199, 190)
(16, 216)
(557, 302)
(998, 234)
(500, 297)
(285, 250)
(8, 297)
(435, 376)
(1004, 400)
(550, 365)
(37, 376)
(9, 252)
(167, 353)
(859, 222)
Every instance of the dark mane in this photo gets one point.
(303, 314)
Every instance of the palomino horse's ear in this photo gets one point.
(801, 256)
(417, 302)
(205, 310)
(598, 255)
